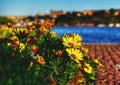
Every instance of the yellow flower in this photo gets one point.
(20, 32)
(14, 39)
(97, 62)
(3, 28)
(76, 37)
(8, 44)
(81, 81)
(53, 34)
(5, 32)
(22, 47)
(88, 68)
(72, 40)
(40, 60)
(85, 50)
(42, 30)
(75, 54)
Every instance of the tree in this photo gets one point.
(112, 11)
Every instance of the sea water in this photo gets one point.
(91, 34)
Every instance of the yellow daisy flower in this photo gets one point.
(14, 40)
(88, 68)
(5, 32)
(20, 32)
(22, 47)
(53, 34)
(72, 40)
(75, 54)
(97, 62)
(42, 30)
(40, 60)
(85, 50)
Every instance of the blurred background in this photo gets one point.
(96, 21)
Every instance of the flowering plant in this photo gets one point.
(37, 56)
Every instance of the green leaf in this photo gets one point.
(9, 82)
(33, 33)
(36, 73)
(17, 81)
(3, 79)
(92, 77)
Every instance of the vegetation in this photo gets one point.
(37, 56)
(5, 20)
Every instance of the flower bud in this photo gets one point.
(59, 53)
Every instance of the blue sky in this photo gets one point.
(32, 7)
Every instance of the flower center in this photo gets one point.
(70, 44)
(74, 56)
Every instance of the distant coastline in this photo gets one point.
(88, 18)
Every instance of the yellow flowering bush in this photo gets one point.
(37, 56)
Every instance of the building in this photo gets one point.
(88, 12)
(54, 14)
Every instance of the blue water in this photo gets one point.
(92, 34)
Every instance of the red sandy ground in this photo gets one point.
(109, 56)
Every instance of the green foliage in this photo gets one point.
(5, 20)
(40, 58)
